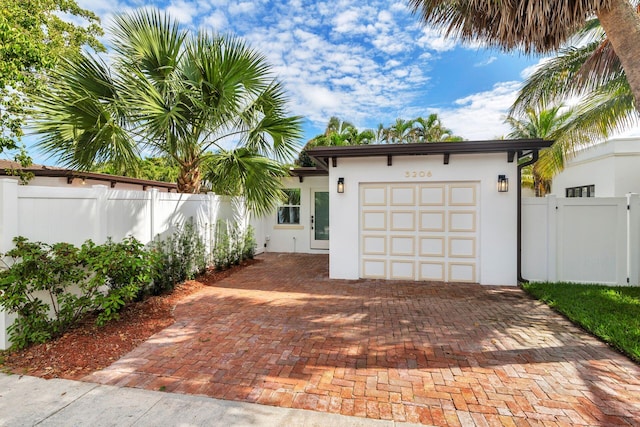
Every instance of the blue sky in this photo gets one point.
(365, 62)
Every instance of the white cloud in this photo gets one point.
(528, 71)
(242, 7)
(346, 21)
(434, 39)
(389, 44)
(486, 62)
(481, 115)
(183, 11)
(385, 16)
(217, 21)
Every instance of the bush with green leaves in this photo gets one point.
(50, 286)
(125, 268)
(179, 257)
(232, 245)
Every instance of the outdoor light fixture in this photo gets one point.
(503, 184)
(340, 185)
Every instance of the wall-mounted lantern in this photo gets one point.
(503, 184)
(341, 185)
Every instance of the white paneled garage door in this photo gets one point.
(419, 231)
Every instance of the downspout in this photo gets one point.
(531, 161)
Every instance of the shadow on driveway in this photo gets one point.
(281, 333)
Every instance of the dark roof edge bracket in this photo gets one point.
(389, 160)
(446, 158)
(334, 162)
(510, 156)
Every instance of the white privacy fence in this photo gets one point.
(586, 240)
(74, 215)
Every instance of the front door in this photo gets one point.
(319, 219)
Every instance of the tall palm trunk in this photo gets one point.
(190, 177)
(621, 23)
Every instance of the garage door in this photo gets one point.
(419, 231)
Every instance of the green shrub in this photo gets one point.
(249, 244)
(179, 257)
(50, 287)
(126, 268)
(232, 245)
(222, 246)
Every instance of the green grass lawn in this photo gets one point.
(610, 313)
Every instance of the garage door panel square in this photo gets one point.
(462, 272)
(432, 246)
(432, 271)
(374, 220)
(403, 196)
(462, 221)
(374, 269)
(403, 245)
(431, 220)
(432, 195)
(462, 195)
(374, 245)
(402, 270)
(374, 196)
(403, 221)
(462, 247)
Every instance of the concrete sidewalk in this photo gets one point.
(30, 401)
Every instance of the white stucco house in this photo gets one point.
(425, 212)
(609, 169)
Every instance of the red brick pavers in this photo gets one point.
(281, 333)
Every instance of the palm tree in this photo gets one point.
(400, 131)
(591, 71)
(541, 26)
(380, 134)
(167, 93)
(551, 123)
(431, 129)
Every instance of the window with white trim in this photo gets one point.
(289, 210)
(582, 191)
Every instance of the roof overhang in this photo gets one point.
(513, 148)
(304, 172)
(111, 179)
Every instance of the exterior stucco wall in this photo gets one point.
(497, 218)
(293, 238)
(611, 166)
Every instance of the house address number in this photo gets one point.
(417, 174)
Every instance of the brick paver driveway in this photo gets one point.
(281, 333)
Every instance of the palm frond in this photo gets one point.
(241, 172)
(539, 26)
(82, 118)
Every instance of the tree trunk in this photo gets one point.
(621, 23)
(189, 178)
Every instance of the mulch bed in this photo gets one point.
(88, 348)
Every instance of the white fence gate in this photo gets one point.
(74, 215)
(586, 240)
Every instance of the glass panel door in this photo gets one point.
(320, 220)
